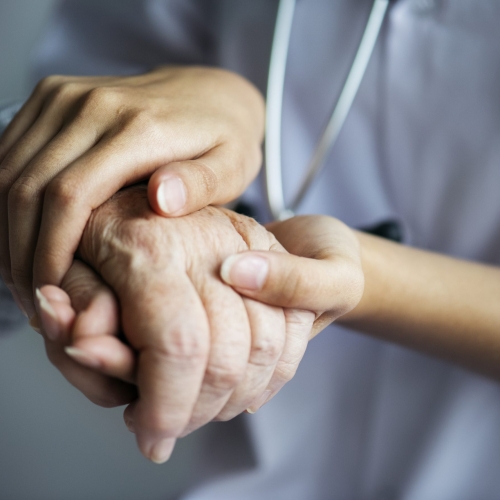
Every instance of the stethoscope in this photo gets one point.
(276, 82)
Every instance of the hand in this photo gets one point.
(88, 309)
(321, 273)
(439, 305)
(204, 352)
(78, 140)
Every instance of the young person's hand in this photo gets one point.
(322, 271)
(78, 140)
(436, 304)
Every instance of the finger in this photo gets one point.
(26, 199)
(100, 389)
(298, 330)
(86, 305)
(105, 354)
(95, 348)
(172, 338)
(46, 126)
(93, 327)
(72, 195)
(268, 339)
(184, 187)
(31, 128)
(294, 282)
(56, 314)
(23, 120)
(93, 300)
(230, 338)
(10, 169)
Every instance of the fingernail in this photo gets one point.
(161, 451)
(171, 195)
(82, 357)
(247, 271)
(260, 402)
(35, 323)
(49, 318)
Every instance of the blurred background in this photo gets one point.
(54, 444)
(21, 24)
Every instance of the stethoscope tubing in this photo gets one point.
(275, 91)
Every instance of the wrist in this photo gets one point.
(373, 264)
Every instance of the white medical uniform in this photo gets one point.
(363, 419)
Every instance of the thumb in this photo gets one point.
(330, 284)
(183, 187)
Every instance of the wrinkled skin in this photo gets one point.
(203, 351)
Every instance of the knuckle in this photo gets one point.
(63, 191)
(135, 245)
(48, 83)
(183, 346)
(209, 182)
(291, 286)
(64, 92)
(100, 97)
(266, 351)
(299, 321)
(22, 192)
(223, 378)
(141, 241)
(142, 123)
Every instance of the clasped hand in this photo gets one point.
(199, 351)
(188, 294)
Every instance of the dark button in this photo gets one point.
(245, 209)
(390, 230)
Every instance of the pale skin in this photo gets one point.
(432, 303)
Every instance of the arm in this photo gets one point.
(433, 303)
(439, 305)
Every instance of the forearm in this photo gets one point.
(435, 304)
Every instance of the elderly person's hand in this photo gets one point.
(78, 140)
(85, 311)
(203, 351)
